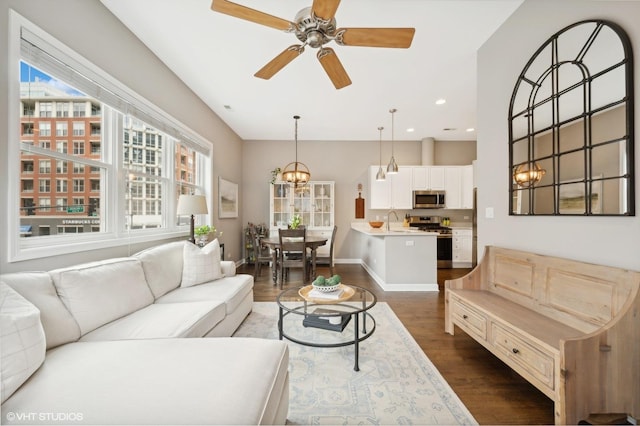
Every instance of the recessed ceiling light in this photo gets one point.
(410, 129)
(470, 129)
(441, 101)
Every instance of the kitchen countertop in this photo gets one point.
(397, 230)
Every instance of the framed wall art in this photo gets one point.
(227, 199)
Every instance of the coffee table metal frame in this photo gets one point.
(364, 299)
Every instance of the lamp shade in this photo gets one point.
(192, 204)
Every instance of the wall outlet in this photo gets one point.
(409, 243)
(488, 212)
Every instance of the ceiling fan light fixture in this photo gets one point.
(295, 172)
(392, 167)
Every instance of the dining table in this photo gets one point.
(311, 242)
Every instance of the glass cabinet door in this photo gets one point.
(323, 204)
(312, 202)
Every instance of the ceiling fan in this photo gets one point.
(315, 26)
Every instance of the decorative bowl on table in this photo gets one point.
(376, 224)
(326, 285)
(326, 288)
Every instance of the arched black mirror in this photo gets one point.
(571, 125)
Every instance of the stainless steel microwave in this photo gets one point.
(428, 199)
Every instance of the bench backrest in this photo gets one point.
(582, 295)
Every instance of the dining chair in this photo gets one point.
(261, 253)
(328, 260)
(293, 252)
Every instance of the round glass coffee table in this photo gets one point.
(323, 321)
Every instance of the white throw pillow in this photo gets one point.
(201, 265)
(23, 343)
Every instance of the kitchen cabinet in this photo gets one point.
(313, 202)
(428, 177)
(462, 245)
(395, 192)
(459, 187)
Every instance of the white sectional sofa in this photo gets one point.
(119, 342)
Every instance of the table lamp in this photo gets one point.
(192, 205)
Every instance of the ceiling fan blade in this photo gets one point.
(375, 37)
(325, 9)
(279, 62)
(333, 67)
(248, 14)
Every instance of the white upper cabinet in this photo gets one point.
(452, 187)
(428, 177)
(395, 192)
(421, 179)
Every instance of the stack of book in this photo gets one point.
(331, 321)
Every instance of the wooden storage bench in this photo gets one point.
(570, 328)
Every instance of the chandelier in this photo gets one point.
(526, 175)
(296, 173)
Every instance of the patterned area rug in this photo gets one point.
(396, 384)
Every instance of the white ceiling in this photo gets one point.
(216, 56)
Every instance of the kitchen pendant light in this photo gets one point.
(380, 175)
(392, 168)
(296, 173)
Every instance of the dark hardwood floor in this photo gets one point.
(493, 392)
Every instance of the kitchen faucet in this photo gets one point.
(389, 218)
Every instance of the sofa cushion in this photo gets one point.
(159, 382)
(99, 292)
(23, 345)
(162, 266)
(59, 325)
(164, 320)
(230, 290)
(201, 265)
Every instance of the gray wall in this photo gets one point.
(92, 31)
(604, 240)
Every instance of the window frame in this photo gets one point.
(112, 171)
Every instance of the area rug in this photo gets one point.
(396, 384)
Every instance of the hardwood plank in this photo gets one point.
(493, 392)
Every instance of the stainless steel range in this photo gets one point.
(445, 240)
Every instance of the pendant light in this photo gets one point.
(527, 175)
(380, 175)
(392, 168)
(296, 173)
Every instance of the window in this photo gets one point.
(44, 204)
(79, 109)
(129, 170)
(78, 129)
(45, 166)
(62, 109)
(45, 185)
(78, 147)
(61, 204)
(45, 128)
(27, 185)
(45, 144)
(78, 185)
(61, 167)
(45, 109)
(61, 185)
(78, 168)
(62, 128)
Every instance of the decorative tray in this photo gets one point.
(347, 293)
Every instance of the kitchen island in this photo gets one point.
(399, 259)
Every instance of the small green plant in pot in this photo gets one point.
(295, 221)
(202, 234)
